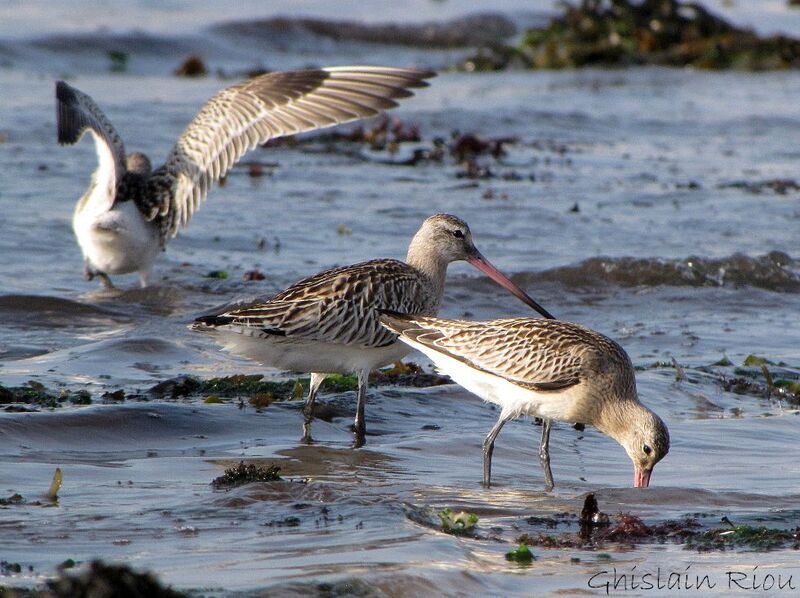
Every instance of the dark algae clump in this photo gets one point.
(102, 580)
(650, 32)
(255, 386)
(746, 537)
(256, 390)
(193, 66)
(598, 531)
(37, 394)
(14, 499)
(246, 474)
(758, 376)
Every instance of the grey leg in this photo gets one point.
(488, 448)
(105, 279)
(89, 273)
(544, 454)
(308, 409)
(360, 425)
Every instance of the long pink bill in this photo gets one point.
(482, 264)
(641, 477)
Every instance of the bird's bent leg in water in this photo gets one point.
(488, 448)
(544, 454)
(308, 409)
(360, 426)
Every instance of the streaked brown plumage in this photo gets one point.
(117, 238)
(546, 368)
(330, 322)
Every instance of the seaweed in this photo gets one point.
(407, 374)
(777, 186)
(761, 538)
(458, 524)
(118, 60)
(66, 564)
(242, 474)
(101, 579)
(624, 33)
(36, 393)
(753, 377)
(290, 521)
(8, 568)
(756, 360)
(217, 274)
(251, 388)
(521, 554)
(253, 275)
(193, 66)
(14, 499)
(596, 532)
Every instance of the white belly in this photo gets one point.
(306, 356)
(512, 399)
(116, 241)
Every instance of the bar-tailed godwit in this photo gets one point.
(129, 211)
(330, 322)
(546, 368)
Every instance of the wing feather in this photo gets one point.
(240, 117)
(338, 306)
(77, 113)
(536, 354)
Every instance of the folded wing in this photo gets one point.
(521, 350)
(337, 306)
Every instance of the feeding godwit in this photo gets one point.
(546, 368)
(129, 211)
(330, 322)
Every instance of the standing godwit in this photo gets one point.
(129, 211)
(546, 368)
(330, 322)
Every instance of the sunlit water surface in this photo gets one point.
(652, 159)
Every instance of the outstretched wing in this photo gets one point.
(336, 306)
(536, 354)
(273, 105)
(77, 113)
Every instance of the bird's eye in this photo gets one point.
(647, 450)
(458, 234)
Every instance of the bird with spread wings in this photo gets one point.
(130, 210)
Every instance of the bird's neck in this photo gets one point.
(615, 418)
(432, 268)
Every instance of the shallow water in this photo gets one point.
(668, 254)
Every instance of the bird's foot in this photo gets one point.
(359, 434)
(105, 280)
(307, 439)
(89, 274)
